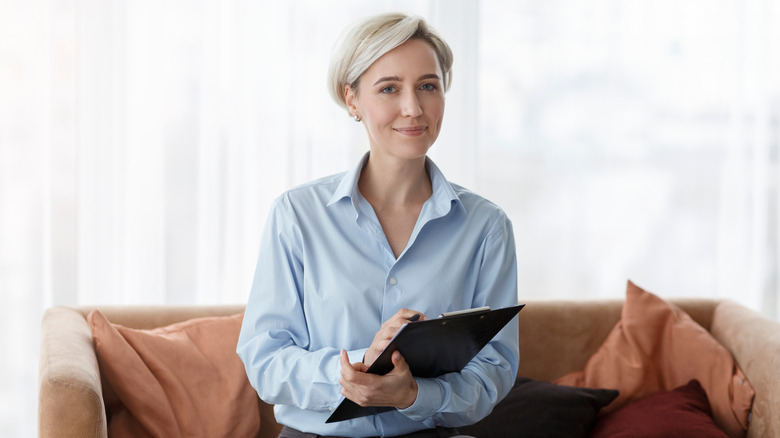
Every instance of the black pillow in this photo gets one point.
(541, 409)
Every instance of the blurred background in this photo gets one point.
(142, 142)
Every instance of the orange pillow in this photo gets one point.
(658, 347)
(175, 381)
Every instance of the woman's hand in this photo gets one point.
(396, 388)
(386, 333)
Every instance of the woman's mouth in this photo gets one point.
(412, 131)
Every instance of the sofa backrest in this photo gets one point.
(558, 336)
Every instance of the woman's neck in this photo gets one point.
(395, 183)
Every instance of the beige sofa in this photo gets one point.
(556, 337)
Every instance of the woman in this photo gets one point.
(346, 260)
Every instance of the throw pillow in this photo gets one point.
(175, 381)
(681, 413)
(658, 347)
(543, 409)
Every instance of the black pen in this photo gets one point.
(415, 317)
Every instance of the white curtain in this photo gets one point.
(635, 140)
(142, 142)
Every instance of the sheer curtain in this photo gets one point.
(141, 144)
(635, 140)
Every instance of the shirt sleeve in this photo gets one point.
(458, 399)
(274, 340)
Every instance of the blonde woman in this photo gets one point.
(346, 260)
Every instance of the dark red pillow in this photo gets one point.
(683, 412)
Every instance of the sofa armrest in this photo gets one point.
(70, 400)
(754, 341)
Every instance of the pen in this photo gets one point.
(414, 317)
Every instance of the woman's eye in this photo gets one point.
(427, 87)
(388, 90)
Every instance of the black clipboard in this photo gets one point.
(433, 347)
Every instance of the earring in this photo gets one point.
(357, 118)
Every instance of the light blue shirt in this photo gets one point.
(327, 279)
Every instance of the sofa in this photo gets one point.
(556, 338)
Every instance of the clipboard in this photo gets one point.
(434, 347)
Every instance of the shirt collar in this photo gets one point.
(443, 197)
(348, 187)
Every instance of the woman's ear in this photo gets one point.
(350, 98)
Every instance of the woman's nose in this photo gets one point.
(410, 105)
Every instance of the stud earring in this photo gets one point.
(357, 118)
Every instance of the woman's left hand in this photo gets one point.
(396, 388)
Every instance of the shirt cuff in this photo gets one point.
(429, 398)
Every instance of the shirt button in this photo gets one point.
(393, 280)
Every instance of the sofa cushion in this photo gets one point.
(543, 409)
(681, 413)
(181, 380)
(658, 347)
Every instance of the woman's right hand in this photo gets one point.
(387, 331)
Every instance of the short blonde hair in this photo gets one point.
(370, 38)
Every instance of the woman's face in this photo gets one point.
(401, 101)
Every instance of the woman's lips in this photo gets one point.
(412, 131)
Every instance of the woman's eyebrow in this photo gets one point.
(428, 76)
(388, 79)
(398, 79)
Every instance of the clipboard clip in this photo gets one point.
(465, 312)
